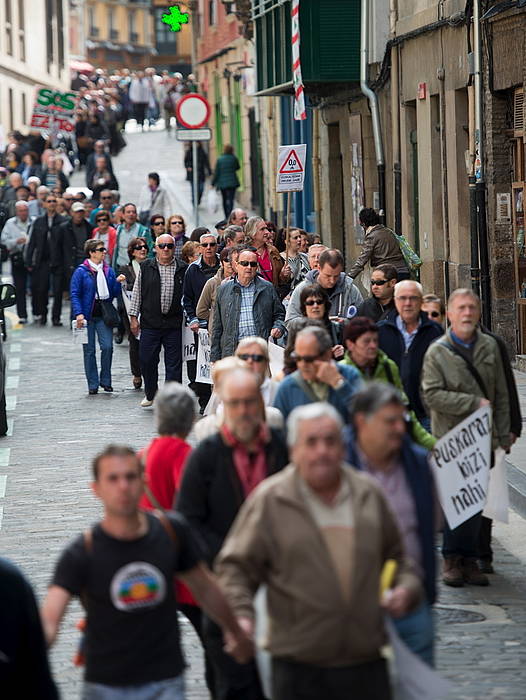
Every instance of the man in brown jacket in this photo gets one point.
(318, 535)
(379, 247)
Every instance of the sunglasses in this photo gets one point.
(378, 283)
(145, 247)
(309, 359)
(51, 201)
(158, 223)
(249, 356)
(165, 245)
(311, 302)
(107, 197)
(100, 250)
(180, 223)
(247, 263)
(208, 245)
(433, 314)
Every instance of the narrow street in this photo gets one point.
(56, 428)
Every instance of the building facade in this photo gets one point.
(173, 49)
(33, 51)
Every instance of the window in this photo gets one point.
(212, 12)
(133, 36)
(50, 24)
(165, 39)
(11, 108)
(24, 108)
(60, 32)
(8, 29)
(21, 31)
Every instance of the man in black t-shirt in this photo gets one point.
(124, 570)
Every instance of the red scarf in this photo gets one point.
(250, 464)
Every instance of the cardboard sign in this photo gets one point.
(291, 168)
(460, 462)
(53, 110)
(189, 350)
(203, 374)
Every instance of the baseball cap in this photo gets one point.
(221, 224)
(78, 206)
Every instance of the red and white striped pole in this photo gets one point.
(299, 95)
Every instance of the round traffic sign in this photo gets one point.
(192, 111)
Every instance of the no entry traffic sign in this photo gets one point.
(291, 168)
(192, 111)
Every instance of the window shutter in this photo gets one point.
(518, 112)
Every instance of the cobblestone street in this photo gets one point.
(56, 428)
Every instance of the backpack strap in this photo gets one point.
(471, 367)
(163, 518)
(87, 536)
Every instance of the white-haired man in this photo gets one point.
(405, 335)
(156, 297)
(15, 235)
(299, 533)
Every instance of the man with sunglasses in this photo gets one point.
(75, 232)
(197, 275)
(246, 305)
(44, 259)
(156, 297)
(381, 302)
(318, 377)
(107, 203)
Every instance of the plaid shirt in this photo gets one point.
(166, 273)
(246, 313)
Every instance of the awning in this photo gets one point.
(81, 66)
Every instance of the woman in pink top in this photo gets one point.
(105, 233)
(271, 265)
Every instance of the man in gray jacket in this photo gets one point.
(15, 235)
(343, 294)
(246, 305)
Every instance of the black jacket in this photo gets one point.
(71, 254)
(410, 362)
(36, 248)
(90, 166)
(371, 308)
(211, 493)
(151, 316)
(515, 406)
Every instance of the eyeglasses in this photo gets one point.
(309, 359)
(105, 197)
(102, 218)
(311, 302)
(246, 263)
(180, 223)
(145, 247)
(255, 358)
(208, 245)
(433, 314)
(158, 223)
(378, 283)
(100, 250)
(165, 245)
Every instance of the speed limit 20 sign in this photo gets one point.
(291, 168)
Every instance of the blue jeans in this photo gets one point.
(168, 689)
(416, 630)
(105, 336)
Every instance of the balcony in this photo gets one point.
(114, 34)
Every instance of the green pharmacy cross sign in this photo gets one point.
(175, 18)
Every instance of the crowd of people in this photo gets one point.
(338, 431)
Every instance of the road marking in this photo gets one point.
(12, 381)
(10, 403)
(4, 456)
(10, 425)
(13, 364)
(15, 347)
(1, 515)
(3, 481)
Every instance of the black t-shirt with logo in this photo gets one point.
(132, 635)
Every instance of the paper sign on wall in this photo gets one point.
(291, 168)
(460, 462)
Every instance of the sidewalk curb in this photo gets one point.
(517, 488)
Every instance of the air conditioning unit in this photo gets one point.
(518, 112)
(503, 208)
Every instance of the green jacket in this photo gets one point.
(452, 393)
(226, 172)
(387, 371)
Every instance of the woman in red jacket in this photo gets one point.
(165, 458)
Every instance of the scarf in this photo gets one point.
(102, 285)
(249, 460)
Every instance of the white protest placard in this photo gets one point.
(460, 462)
(189, 351)
(291, 168)
(275, 357)
(126, 300)
(498, 502)
(415, 680)
(203, 373)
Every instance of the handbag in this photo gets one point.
(412, 259)
(110, 315)
(17, 260)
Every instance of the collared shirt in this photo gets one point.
(320, 389)
(166, 273)
(336, 524)
(246, 313)
(395, 487)
(408, 336)
(179, 243)
(125, 235)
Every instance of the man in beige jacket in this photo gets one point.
(318, 535)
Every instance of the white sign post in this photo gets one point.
(460, 462)
(291, 168)
(203, 374)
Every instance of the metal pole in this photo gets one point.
(287, 229)
(475, 269)
(195, 183)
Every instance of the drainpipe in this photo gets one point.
(480, 186)
(395, 121)
(373, 105)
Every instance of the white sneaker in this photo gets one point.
(146, 402)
